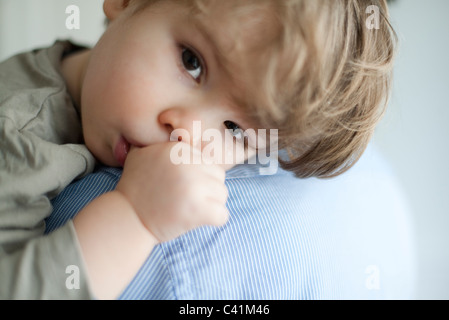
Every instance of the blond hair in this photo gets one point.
(327, 80)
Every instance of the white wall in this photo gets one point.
(413, 135)
(29, 24)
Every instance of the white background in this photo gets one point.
(413, 135)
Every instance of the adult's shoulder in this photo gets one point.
(352, 234)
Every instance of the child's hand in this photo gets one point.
(172, 199)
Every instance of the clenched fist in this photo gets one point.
(172, 199)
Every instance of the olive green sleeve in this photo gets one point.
(33, 266)
(41, 152)
(46, 267)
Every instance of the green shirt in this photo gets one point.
(41, 152)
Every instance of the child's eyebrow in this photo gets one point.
(225, 64)
(210, 39)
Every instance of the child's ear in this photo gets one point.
(112, 8)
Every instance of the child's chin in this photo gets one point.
(105, 160)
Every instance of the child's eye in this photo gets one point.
(234, 129)
(192, 63)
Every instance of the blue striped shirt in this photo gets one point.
(345, 238)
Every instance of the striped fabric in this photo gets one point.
(287, 238)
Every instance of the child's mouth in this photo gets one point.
(121, 151)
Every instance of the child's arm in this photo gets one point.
(155, 201)
(114, 243)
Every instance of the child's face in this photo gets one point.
(152, 73)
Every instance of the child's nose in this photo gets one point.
(180, 124)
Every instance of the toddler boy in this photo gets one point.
(310, 69)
